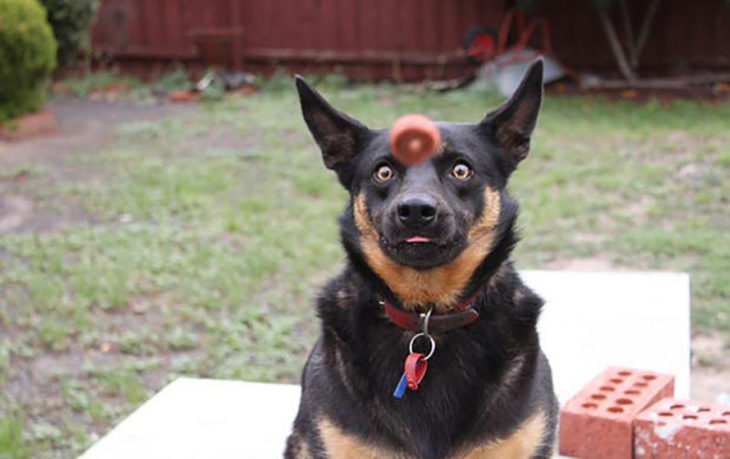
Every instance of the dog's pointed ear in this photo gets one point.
(512, 123)
(337, 134)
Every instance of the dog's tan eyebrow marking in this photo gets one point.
(442, 285)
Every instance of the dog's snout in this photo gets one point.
(417, 210)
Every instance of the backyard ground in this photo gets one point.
(146, 241)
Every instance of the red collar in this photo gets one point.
(465, 315)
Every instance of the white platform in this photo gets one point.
(590, 321)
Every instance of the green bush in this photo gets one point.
(71, 21)
(177, 80)
(27, 57)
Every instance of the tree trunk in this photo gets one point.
(628, 32)
(644, 33)
(618, 52)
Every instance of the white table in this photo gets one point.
(590, 321)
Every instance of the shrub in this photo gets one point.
(177, 80)
(27, 56)
(71, 20)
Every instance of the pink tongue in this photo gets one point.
(418, 239)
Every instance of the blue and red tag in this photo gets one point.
(414, 370)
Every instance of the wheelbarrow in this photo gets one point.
(503, 63)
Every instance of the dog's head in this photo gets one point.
(425, 229)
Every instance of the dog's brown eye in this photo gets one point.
(383, 173)
(461, 171)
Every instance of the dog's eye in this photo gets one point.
(383, 173)
(461, 171)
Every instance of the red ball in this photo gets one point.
(413, 138)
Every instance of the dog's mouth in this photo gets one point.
(421, 251)
(417, 239)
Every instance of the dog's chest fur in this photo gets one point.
(472, 395)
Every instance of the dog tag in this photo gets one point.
(400, 389)
(415, 369)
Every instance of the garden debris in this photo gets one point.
(506, 70)
(183, 96)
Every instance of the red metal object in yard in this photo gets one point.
(504, 64)
(480, 44)
(484, 47)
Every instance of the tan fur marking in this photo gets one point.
(443, 285)
(523, 443)
(518, 296)
(338, 444)
(299, 448)
(343, 298)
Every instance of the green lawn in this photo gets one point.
(197, 242)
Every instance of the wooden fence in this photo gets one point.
(401, 39)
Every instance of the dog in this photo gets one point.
(428, 256)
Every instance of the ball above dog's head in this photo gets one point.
(413, 138)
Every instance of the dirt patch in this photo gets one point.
(711, 368)
(636, 210)
(711, 384)
(710, 348)
(14, 211)
(598, 262)
(710, 93)
(83, 126)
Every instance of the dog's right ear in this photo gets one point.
(513, 122)
(337, 135)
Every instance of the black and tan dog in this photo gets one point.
(435, 236)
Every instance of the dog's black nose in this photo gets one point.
(417, 210)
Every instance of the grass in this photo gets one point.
(98, 83)
(12, 443)
(198, 241)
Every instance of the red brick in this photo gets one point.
(687, 429)
(597, 422)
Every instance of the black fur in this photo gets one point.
(484, 380)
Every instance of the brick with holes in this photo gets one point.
(597, 422)
(687, 429)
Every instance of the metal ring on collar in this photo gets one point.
(430, 338)
(426, 318)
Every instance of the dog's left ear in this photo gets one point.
(338, 135)
(512, 123)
